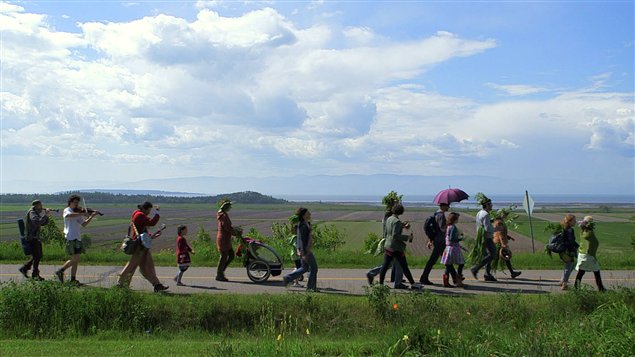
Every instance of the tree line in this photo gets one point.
(106, 197)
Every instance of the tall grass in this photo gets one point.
(576, 323)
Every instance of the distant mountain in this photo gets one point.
(374, 185)
(143, 192)
(331, 185)
(108, 197)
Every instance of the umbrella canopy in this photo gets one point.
(450, 195)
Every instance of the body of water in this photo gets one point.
(499, 200)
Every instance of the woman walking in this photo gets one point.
(395, 245)
(304, 244)
(586, 253)
(142, 257)
(224, 238)
(452, 253)
(568, 256)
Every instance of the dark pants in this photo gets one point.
(36, 256)
(309, 264)
(490, 249)
(224, 261)
(437, 252)
(598, 279)
(401, 259)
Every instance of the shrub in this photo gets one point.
(51, 233)
(328, 237)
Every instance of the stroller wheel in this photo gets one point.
(258, 271)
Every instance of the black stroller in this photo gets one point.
(261, 260)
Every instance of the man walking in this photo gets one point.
(36, 217)
(436, 243)
(484, 233)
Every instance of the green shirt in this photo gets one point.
(395, 240)
(589, 243)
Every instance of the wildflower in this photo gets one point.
(405, 338)
(395, 306)
(308, 332)
(279, 337)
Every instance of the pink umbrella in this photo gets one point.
(450, 195)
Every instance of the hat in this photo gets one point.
(224, 203)
(587, 222)
(36, 202)
(481, 198)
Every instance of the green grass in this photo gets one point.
(356, 232)
(53, 319)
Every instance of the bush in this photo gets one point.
(328, 237)
(51, 233)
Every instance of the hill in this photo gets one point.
(108, 197)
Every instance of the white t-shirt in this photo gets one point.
(72, 225)
(483, 220)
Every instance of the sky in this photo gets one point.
(108, 91)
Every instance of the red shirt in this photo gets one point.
(182, 251)
(142, 222)
(224, 234)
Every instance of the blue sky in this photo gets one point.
(120, 91)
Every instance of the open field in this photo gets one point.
(614, 229)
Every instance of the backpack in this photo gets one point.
(556, 243)
(431, 228)
(23, 228)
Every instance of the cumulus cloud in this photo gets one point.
(259, 90)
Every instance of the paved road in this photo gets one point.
(331, 281)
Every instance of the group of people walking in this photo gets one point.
(491, 245)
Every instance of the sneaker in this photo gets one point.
(75, 282)
(515, 274)
(401, 287)
(24, 272)
(178, 283)
(297, 284)
(426, 282)
(474, 272)
(370, 278)
(221, 278)
(60, 275)
(37, 277)
(564, 286)
(489, 278)
(285, 282)
(160, 287)
(301, 278)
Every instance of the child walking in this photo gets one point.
(452, 253)
(183, 251)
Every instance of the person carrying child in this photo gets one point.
(183, 251)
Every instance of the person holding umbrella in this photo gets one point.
(436, 234)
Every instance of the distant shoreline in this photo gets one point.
(624, 201)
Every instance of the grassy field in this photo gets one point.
(355, 221)
(53, 319)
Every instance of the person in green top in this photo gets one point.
(586, 253)
(395, 245)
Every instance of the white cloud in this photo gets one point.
(516, 89)
(256, 92)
